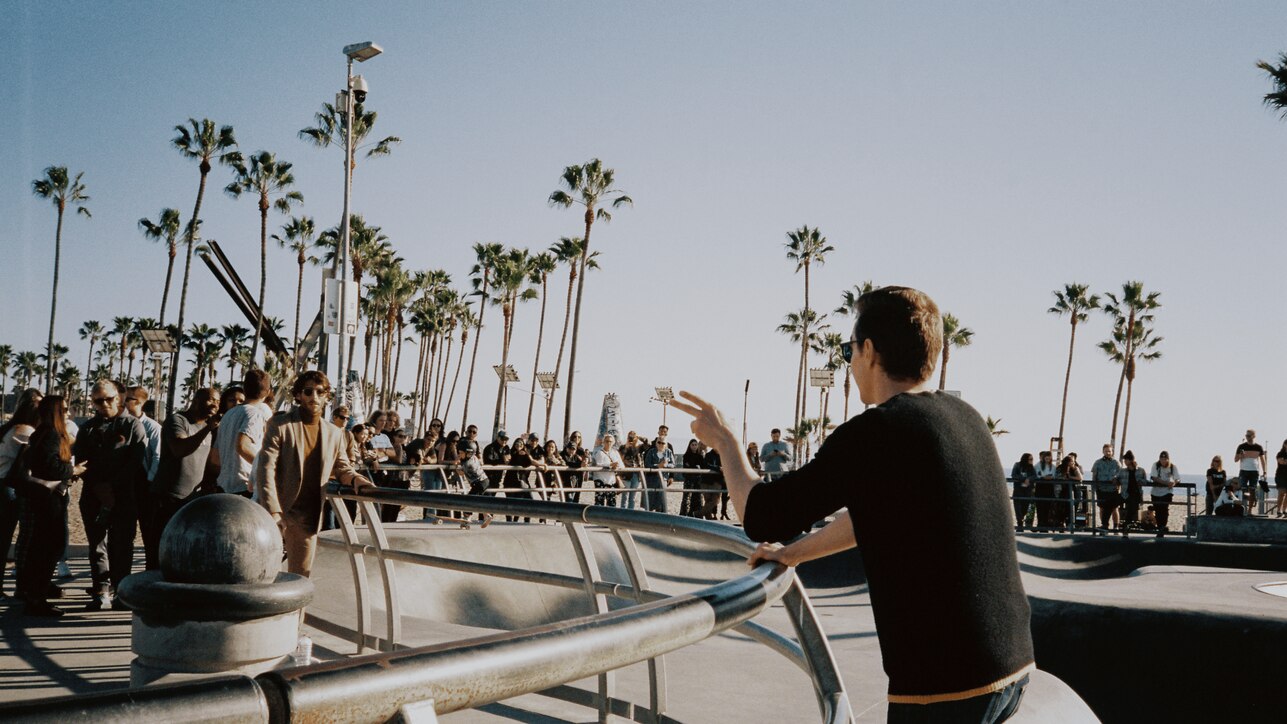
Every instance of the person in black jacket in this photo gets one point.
(954, 586)
(114, 445)
(49, 472)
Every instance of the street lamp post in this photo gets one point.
(361, 52)
(664, 396)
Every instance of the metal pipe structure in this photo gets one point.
(474, 672)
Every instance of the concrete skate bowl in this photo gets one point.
(1131, 623)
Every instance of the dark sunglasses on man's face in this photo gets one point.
(848, 351)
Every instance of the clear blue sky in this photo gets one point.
(987, 153)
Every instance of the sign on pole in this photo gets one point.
(331, 308)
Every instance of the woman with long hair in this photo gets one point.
(694, 458)
(1216, 479)
(50, 469)
(14, 435)
(574, 457)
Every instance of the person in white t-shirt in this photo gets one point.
(241, 435)
(605, 456)
(1164, 476)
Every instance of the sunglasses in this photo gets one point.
(101, 400)
(847, 351)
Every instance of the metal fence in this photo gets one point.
(1074, 506)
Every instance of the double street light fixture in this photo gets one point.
(355, 90)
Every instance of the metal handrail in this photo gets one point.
(474, 672)
(451, 674)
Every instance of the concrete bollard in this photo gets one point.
(219, 604)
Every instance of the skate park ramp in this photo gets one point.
(728, 677)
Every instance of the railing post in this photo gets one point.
(358, 563)
(392, 612)
(639, 581)
(585, 558)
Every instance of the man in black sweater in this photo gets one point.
(949, 606)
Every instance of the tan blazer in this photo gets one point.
(279, 467)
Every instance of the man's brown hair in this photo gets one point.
(905, 328)
(317, 378)
(257, 384)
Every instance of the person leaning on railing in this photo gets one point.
(1165, 475)
(969, 656)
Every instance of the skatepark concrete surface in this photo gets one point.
(730, 678)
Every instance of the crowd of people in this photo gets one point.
(136, 473)
(1049, 492)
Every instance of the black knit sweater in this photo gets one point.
(926, 492)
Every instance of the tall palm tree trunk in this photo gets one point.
(397, 365)
(540, 334)
(1063, 406)
(804, 355)
(53, 302)
(418, 400)
(848, 376)
(508, 311)
(473, 359)
(299, 301)
(441, 364)
(366, 362)
(263, 277)
(558, 362)
(576, 325)
(183, 295)
(1126, 418)
(89, 365)
(169, 274)
(464, 338)
(1121, 380)
(942, 373)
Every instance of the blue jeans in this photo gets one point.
(987, 709)
(654, 496)
(631, 483)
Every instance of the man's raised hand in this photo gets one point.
(708, 424)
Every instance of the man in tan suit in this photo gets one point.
(301, 453)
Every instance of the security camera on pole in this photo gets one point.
(344, 321)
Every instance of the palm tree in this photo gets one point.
(68, 382)
(1277, 98)
(59, 187)
(1127, 352)
(805, 247)
(204, 342)
(542, 266)
(122, 327)
(25, 366)
(298, 238)
(332, 127)
(954, 335)
(267, 178)
(512, 273)
(92, 331)
(833, 346)
(233, 339)
(588, 185)
(6, 359)
(849, 308)
(205, 143)
(566, 251)
(165, 227)
(803, 327)
(1132, 307)
(480, 276)
(994, 427)
(465, 318)
(1074, 302)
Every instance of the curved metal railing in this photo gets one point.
(473, 672)
(655, 625)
